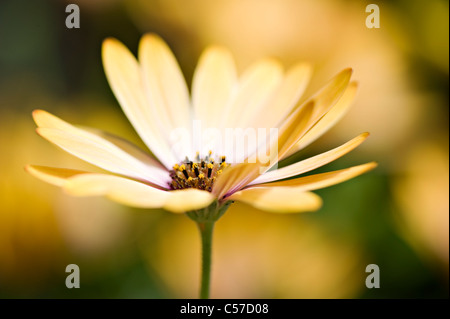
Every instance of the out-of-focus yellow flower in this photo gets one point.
(422, 193)
(154, 96)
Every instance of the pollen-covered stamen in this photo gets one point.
(210, 168)
(200, 174)
(184, 171)
(195, 167)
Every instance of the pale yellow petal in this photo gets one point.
(280, 104)
(279, 199)
(328, 120)
(47, 120)
(136, 194)
(306, 115)
(165, 88)
(255, 86)
(122, 190)
(234, 178)
(237, 176)
(294, 128)
(53, 175)
(323, 180)
(180, 201)
(330, 94)
(311, 163)
(125, 78)
(126, 146)
(213, 82)
(91, 148)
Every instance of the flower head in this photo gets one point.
(189, 173)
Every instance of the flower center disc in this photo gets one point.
(200, 174)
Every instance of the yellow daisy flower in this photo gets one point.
(154, 96)
(183, 176)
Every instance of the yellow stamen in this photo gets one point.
(200, 173)
(183, 170)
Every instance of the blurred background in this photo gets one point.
(396, 216)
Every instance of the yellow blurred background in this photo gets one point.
(396, 216)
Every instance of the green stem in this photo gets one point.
(205, 219)
(206, 231)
